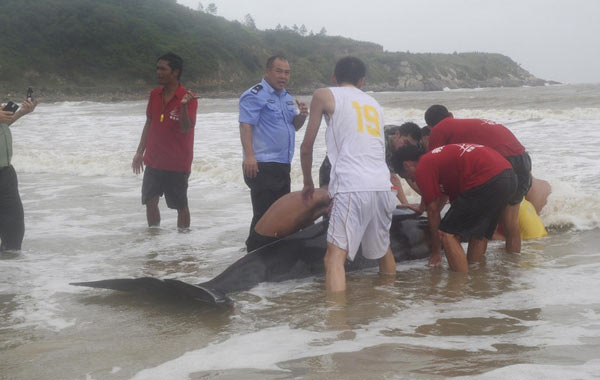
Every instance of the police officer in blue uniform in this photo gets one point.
(268, 124)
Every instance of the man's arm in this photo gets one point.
(413, 185)
(301, 117)
(433, 215)
(250, 106)
(398, 187)
(185, 122)
(249, 165)
(138, 159)
(6, 117)
(441, 201)
(418, 208)
(321, 101)
(26, 107)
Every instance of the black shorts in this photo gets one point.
(522, 167)
(172, 184)
(475, 213)
(256, 240)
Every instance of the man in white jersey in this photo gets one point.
(360, 179)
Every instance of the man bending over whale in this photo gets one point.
(478, 181)
(360, 179)
(287, 215)
(448, 130)
(290, 213)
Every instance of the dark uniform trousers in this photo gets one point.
(271, 183)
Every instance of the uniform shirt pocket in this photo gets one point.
(291, 111)
(273, 111)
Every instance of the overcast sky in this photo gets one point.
(552, 39)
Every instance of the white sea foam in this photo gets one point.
(586, 371)
(98, 139)
(85, 222)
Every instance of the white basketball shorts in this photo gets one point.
(362, 217)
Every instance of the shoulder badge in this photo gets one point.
(256, 89)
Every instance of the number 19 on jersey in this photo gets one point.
(367, 118)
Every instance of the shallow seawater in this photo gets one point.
(533, 315)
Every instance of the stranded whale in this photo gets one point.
(296, 256)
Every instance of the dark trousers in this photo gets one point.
(12, 218)
(271, 183)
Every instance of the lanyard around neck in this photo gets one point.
(163, 106)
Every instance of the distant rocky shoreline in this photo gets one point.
(67, 57)
(107, 95)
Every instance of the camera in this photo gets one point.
(11, 107)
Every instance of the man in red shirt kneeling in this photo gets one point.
(479, 183)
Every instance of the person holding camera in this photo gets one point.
(12, 217)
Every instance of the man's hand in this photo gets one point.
(416, 207)
(27, 107)
(299, 119)
(250, 166)
(307, 193)
(435, 260)
(138, 163)
(188, 97)
(302, 107)
(5, 116)
(185, 124)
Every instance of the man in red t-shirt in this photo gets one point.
(479, 183)
(167, 143)
(448, 130)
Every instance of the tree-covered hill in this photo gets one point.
(71, 47)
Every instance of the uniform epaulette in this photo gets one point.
(256, 89)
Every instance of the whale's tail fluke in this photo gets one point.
(167, 287)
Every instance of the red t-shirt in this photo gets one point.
(455, 168)
(167, 148)
(475, 131)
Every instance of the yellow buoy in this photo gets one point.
(530, 224)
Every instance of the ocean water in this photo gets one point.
(529, 316)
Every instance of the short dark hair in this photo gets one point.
(411, 129)
(425, 131)
(435, 114)
(271, 60)
(405, 153)
(349, 70)
(175, 62)
(390, 130)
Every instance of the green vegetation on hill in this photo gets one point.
(73, 46)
